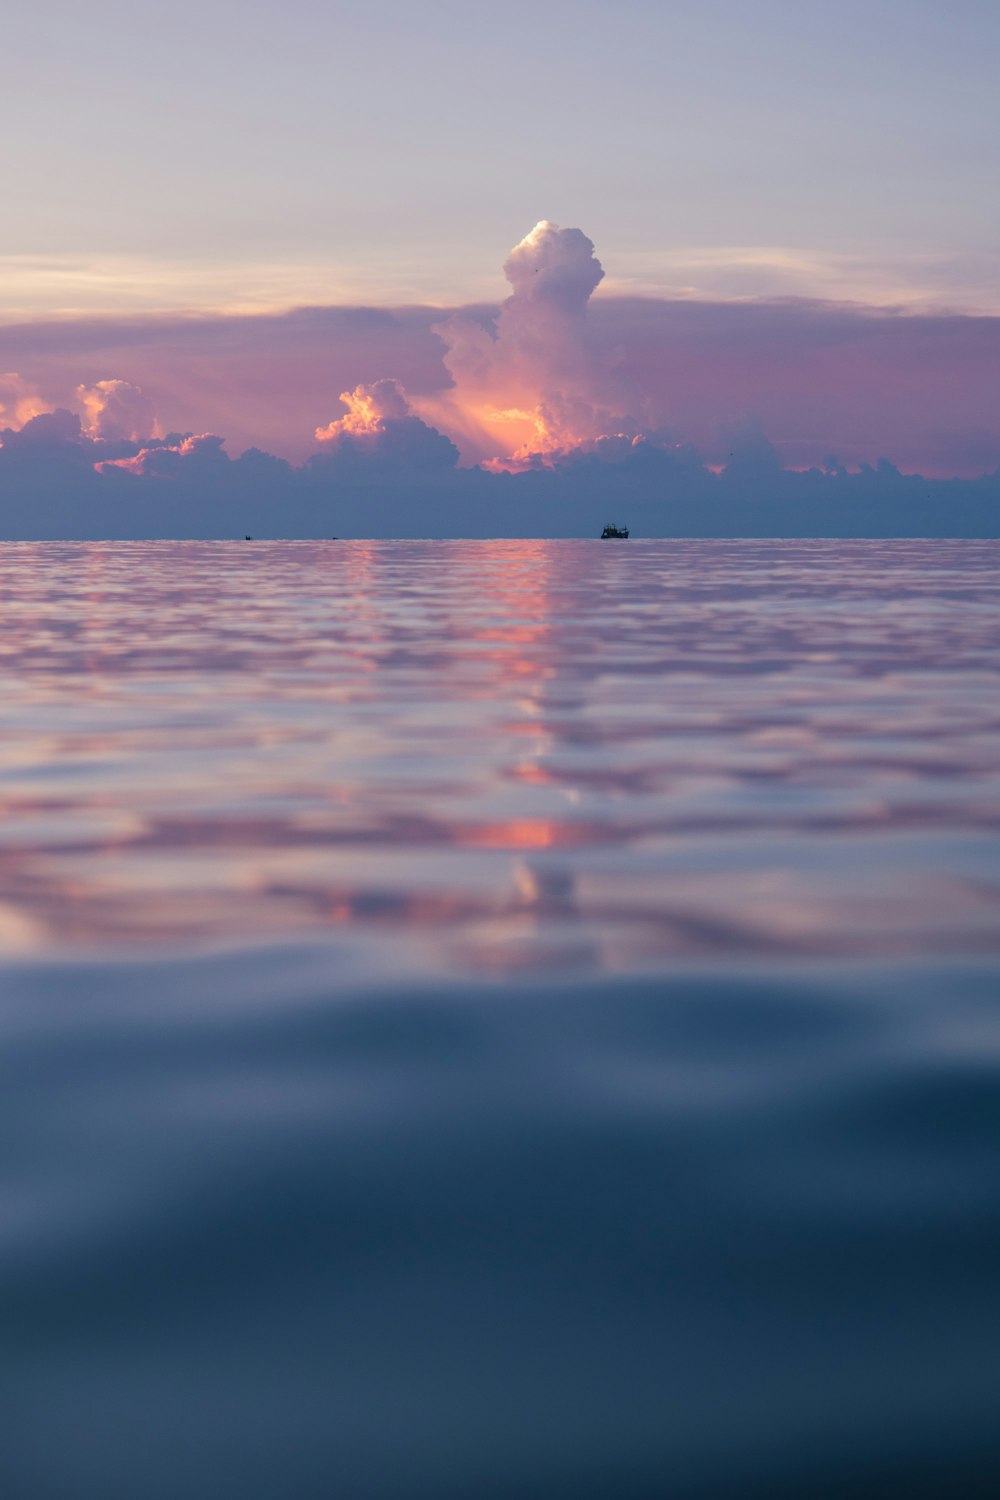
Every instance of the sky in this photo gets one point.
(232, 218)
(238, 153)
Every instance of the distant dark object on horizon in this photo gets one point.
(248, 537)
(611, 530)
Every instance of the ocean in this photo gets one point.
(500, 1019)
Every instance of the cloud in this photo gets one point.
(49, 431)
(262, 379)
(914, 279)
(534, 381)
(116, 409)
(19, 401)
(699, 419)
(818, 376)
(113, 411)
(402, 480)
(169, 459)
(381, 428)
(550, 268)
(821, 376)
(750, 455)
(369, 409)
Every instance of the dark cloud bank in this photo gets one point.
(403, 479)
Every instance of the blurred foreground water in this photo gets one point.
(499, 1019)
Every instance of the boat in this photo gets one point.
(611, 530)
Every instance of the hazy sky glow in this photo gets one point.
(237, 155)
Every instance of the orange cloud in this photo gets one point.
(19, 401)
(369, 407)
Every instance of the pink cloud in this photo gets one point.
(20, 400)
(116, 410)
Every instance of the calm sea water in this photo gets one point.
(499, 1019)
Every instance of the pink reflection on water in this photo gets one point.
(502, 755)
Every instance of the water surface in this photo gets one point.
(499, 1018)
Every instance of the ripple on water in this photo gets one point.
(499, 1019)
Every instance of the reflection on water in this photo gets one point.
(504, 755)
(499, 1019)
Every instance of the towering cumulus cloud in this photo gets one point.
(115, 411)
(533, 383)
